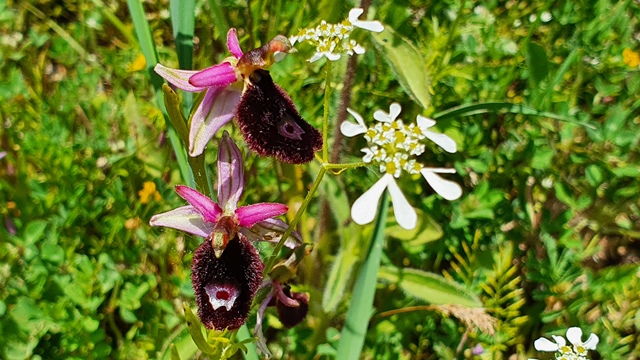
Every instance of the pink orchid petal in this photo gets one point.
(178, 78)
(205, 206)
(232, 43)
(252, 214)
(216, 109)
(186, 219)
(284, 299)
(271, 230)
(230, 177)
(214, 76)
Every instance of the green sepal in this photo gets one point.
(174, 112)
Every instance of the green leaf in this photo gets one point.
(537, 62)
(594, 175)
(427, 230)
(34, 231)
(175, 355)
(429, 287)
(359, 312)
(407, 64)
(195, 329)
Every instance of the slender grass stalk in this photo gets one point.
(183, 23)
(252, 350)
(148, 48)
(359, 313)
(217, 16)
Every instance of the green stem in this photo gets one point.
(359, 313)
(200, 174)
(325, 119)
(271, 260)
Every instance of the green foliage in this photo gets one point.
(544, 113)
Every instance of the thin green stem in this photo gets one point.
(271, 260)
(325, 119)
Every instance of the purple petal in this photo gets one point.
(232, 43)
(252, 214)
(186, 219)
(216, 75)
(178, 78)
(216, 109)
(205, 206)
(271, 230)
(230, 177)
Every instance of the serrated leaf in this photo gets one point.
(537, 62)
(407, 64)
(429, 287)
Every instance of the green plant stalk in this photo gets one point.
(252, 350)
(303, 207)
(183, 22)
(325, 119)
(148, 48)
(359, 313)
(217, 15)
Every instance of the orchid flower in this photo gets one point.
(394, 146)
(222, 84)
(220, 221)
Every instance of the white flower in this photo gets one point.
(578, 351)
(394, 146)
(331, 40)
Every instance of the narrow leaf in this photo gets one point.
(429, 287)
(355, 327)
(537, 62)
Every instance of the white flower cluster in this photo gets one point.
(579, 350)
(394, 147)
(331, 40)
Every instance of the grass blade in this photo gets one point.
(359, 313)
(149, 51)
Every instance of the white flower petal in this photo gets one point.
(364, 209)
(591, 342)
(543, 344)
(424, 123)
(405, 214)
(374, 26)
(350, 129)
(368, 155)
(574, 334)
(442, 140)
(445, 188)
(316, 56)
(358, 50)
(559, 340)
(394, 111)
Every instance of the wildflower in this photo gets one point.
(332, 39)
(268, 119)
(394, 147)
(226, 268)
(148, 190)
(292, 308)
(219, 222)
(630, 58)
(578, 351)
(139, 63)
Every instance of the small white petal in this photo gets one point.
(293, 40)
(394, 111)
(442, 140)
(332, 56)
(574, 334)
(559, 340)
(543, 344)
(445, 188)
(350, 129)
(374, 26)
(591, 342)
(364, 209)
(317, 56)
(424, 123)
(368, 155)
(358, 50)
(405, 214)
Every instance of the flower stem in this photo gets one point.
(303, 207)
(325, 119)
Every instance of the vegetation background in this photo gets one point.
(546, 234)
